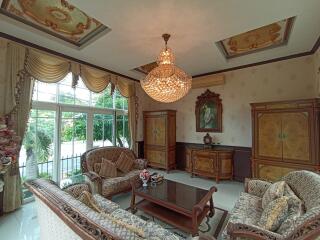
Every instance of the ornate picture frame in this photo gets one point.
(208, 112)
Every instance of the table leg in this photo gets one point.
(211, 213)
(133, 203)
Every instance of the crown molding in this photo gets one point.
(44, 49)
(297, 55)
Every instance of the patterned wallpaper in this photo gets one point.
(285, 80)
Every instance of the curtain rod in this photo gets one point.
(44, 49)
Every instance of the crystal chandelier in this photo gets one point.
(166, 83)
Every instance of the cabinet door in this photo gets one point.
(155, 130)
(295, 137)
(269, 142)
(156, 157)
(204, 162)
(272, 173)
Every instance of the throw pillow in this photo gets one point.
(97, 167)
(275, 191)
(124, 162)
(274, 214)
(86, 198)
(108, 169)
(295, 210)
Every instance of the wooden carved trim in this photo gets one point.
(79, 223)
(205, 98)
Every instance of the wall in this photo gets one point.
(285, 80)
(316, 59)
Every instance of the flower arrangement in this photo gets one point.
(9, 143)
(144, 176)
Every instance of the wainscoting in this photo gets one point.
(241, 158)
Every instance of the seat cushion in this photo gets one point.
(125, 162)
(155, 232)
(276, 190)
(104, 204)
(247, 210)
(111, 186)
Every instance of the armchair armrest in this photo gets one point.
(256, 187)
(251, 231)
(92, 176)
(94, 181)
(140, 163)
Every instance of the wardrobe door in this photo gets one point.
(296, 137)
(155, 130)
(269, 143)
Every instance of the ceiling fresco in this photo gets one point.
(272, 35)
(55, 17)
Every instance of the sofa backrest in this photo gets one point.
(90, 157)
(306, 185)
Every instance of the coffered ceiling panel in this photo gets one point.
(55, 17)
(195, 27)
(272, 35)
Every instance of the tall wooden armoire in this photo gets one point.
(160, 138)
(285, 137)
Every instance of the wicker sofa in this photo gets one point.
(62, 216)
(247, 211)
(109, 187)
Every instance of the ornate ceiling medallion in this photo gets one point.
(56, 17)
(272, 35)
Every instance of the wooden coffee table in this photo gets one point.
(177, 204)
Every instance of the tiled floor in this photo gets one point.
(22, 224)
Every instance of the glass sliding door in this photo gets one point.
(103, 130)
(122, 131)
(73, 139)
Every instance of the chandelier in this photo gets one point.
(166, 83)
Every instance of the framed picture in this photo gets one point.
(208, 112)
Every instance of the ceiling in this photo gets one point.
(195, 27)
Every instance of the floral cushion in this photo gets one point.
(257, 187)
(275, 190)
(274, 214)
(114, 185)
(155, 232)
(107, 169)
(295, 210)
(247, 210)
(97, 167)
(125, 162)
(76, 189)
(140, 163)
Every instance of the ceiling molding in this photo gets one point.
(24, 42)
(297, 55)
(32, 45)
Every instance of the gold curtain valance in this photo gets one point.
(51, 69)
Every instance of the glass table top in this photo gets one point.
(179, 194)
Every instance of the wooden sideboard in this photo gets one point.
(285, 137)
(160, 138)
(208, 162)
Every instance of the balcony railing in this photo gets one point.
(70, 165)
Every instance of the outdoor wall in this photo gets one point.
(284, 80)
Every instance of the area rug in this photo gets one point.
(209, 226)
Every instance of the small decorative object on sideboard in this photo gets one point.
(144, 176)
(207, 140)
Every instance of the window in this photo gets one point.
(65, 122)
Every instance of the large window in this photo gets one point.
(65, 122)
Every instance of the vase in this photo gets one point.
(144, 182)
